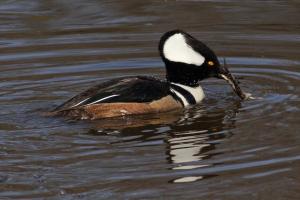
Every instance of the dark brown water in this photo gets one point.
(220, 149)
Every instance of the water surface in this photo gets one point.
(220, 149)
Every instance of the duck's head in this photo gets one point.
(189, 61)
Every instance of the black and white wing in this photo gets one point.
(131, 89)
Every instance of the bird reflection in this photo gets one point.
(188, 150)
(190, 135)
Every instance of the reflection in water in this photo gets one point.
(188, 149)
(185, 150)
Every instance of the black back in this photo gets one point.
(130, 89)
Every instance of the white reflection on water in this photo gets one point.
(188, 150)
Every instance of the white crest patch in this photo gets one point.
(176, 49)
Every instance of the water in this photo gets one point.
(220, 149)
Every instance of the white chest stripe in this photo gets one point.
(196, 92)
(185, 103)
(108, 97)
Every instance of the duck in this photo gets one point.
(187, 61)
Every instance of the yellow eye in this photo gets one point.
(210, 63)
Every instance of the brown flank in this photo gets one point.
(107, 110)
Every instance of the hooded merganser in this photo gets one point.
(187, 62)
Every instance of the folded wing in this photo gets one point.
(139, 89)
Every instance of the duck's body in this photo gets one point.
(187, 61)
(128, 96)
